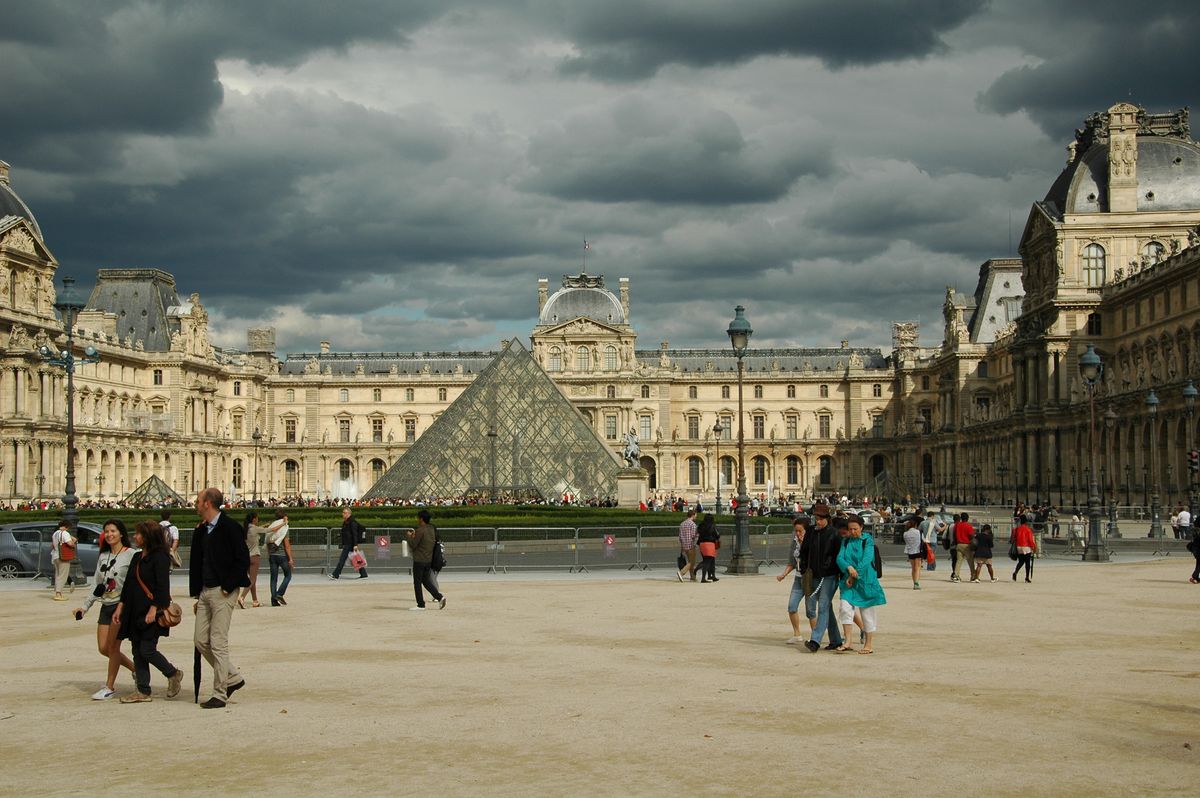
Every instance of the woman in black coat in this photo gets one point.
(146, 592)
(710, 540)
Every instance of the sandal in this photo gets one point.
(256, 604)
(842, 649)
(866, 651)
(242, 603)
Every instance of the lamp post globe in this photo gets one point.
(1091, 368)
(742, 561)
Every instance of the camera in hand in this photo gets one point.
(99, 591)
(79, 615)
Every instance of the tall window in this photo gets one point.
(791, 422)
(760, 470)
(1093, 265)
(377, 430)
(291, 473)
(823, 391)
(554, 362)
(726, 428)
(237, 473)
(610, 358)
(793, 470)
(826, 467)
(441, 394)
(877, 425)
(925, 382)
(344, 395)
(291, 394)
(343, 470)
(760, 427)
(694, 468)
(289, 430)
(1154, 251)
(726, 470)
(237, 387)
(724, 391)
(982, 370)
(693, 426)
(377, 469)
(644, 429)
(791, 392)
(645, 391)
(410, 430)
(237, 428)
(610, 427)
(1094, 326)
(611, 392)
(692, 392)
(758, 392)
(583, 359)
(877, 390)
(824, 423)
(344, 430)
(376, 394)
(408, 394)
(158, 377)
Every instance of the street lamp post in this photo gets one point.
(1189, 406)
(717, 431)
(975, 471)
(69, 304)
(1128, 484)
(1002, 470)
(256, 436)
(743, 558)
(1156, 527)
(1110, 424)
(1090, 369)
(41, 480)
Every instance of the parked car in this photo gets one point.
(25, 548)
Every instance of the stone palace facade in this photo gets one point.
(995, 410)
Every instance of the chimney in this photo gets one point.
(324, 347)
(1122, 158)
(624, 283)
(543, 290)
(3, 173)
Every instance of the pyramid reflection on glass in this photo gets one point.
(512, 429)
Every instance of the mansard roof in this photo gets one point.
(144, 301)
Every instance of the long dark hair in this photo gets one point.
(120, 525)
(709, 524)
(152, 537)
(251, 517)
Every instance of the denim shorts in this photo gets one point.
(797, 595)
(106, 614)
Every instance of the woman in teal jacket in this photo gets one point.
(860, 583)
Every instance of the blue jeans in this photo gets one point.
(826, 617)
(279, 563)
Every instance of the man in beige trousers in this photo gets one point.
(218, 568)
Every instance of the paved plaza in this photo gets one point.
(1085, 682)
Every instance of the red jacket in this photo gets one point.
(963, 532)
(1023, 536)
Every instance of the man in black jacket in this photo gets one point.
(352, 534)
(218, 567)
(819, 554)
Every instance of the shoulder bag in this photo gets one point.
(168, 616)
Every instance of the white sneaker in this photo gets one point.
(103, 693)
(416, 609)
(791, 641)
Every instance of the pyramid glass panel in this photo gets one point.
(154, 493)
(511, 435)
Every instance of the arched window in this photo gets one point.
(291, 394)
(441, 394)
(760, 470)
(610, 358)
(1093, 265)
(343, 470)
(237, 387)
(408, 394)
(694, 467)
(377, 394)
(291, 472)
(793, 470)
(344, 395)
(645, 391)
(758, 392)
(583, 359)
(237, 473)
(727, 470)
(377, 469)
(824, 391)
(554, 362)
(826, 470)
(1154, 251)
(692, 392)
(791, 392)
(610, 392)
(876, 390)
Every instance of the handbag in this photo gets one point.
(176, 560)
(681, 561)
(1012, 548)
(169, 615)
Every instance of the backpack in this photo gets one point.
(66, 548)
(438, 562)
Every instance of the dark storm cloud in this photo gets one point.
(110, 68)
(641, 150)
(633, 39)
(1119, 51)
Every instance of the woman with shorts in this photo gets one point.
(800, 525)
(112, 566)
(984, 541)
(914, 550)
(860, 588)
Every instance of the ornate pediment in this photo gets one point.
(16, 235)
(585, 328)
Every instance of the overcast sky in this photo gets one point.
(397, 175)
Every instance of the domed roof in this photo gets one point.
(582, 296)
(1168, 176)
(11, 204)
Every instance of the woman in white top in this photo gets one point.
(111, 568)
(254, 534)
(279, 553)
(913, 549)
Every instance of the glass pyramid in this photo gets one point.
(511, 435)
(154, 493)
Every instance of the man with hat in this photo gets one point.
(819, 554)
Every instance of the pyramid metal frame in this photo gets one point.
(512, 434)
(154, 492)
